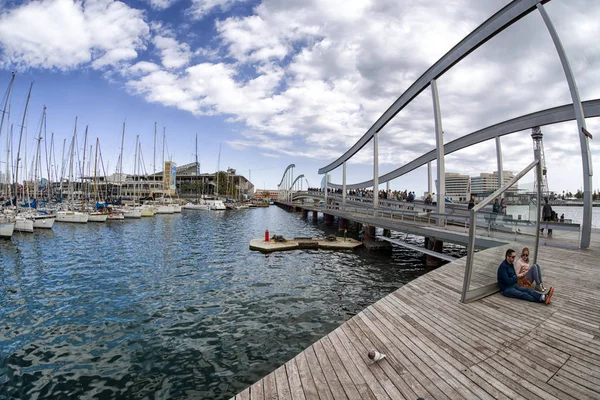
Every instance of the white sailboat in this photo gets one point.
(7, 222)
(70, 215)
(22, 224)
(40, 220)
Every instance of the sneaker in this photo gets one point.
(539, 288)
(549, 295)
(543, 287)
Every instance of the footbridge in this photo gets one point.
(448, 334)
(482, 226)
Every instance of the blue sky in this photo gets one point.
(277, 82)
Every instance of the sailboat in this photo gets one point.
(199, 204)
(40, 220)
(133, 211)
(22, 224)
(95, 215)
(70, 215)
(7, 222)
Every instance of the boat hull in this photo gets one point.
(43, 221)
(72, 217)
(6, 229)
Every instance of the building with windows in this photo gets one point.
(486, 183)
(458, 187)
(183, 181)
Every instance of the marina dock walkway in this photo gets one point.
(440, 348)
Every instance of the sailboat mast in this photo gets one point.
(5, 112)
(218, 167)
(95, 169)
(135, 162)
(83, 170)
(37, 154)
(20, 138)
(197, 169)
(163, 160)
(121, 162)
(70, 178)
(154, 160)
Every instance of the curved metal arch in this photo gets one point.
(296, 180)
(508, 15)
(549, 116)
(285, 172)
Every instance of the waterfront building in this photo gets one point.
(266, 194)
(458, 187)
(487, 183)
(183, 181)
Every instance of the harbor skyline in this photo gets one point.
(298, 84)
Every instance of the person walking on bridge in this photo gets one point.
(507, 281)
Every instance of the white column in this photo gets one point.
(429, 181)
(586, 156)
(326, 190)
(344, 185)
(499, 160)
(439, 142)
(376, 170)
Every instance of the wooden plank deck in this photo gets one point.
(439, 348)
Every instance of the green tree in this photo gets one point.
(579, 194)
(221, 176)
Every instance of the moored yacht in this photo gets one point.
(7, 226)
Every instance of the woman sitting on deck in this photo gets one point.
(532, 273)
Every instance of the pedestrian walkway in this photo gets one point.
(439, 348)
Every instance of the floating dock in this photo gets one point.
(339, 243)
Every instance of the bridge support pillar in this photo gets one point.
(343, 225)
(387, 233)
(369, 233)
(328, 218)
(304, 213)
(315, 216)
(435, 245)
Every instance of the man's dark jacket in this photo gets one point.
(506, 275)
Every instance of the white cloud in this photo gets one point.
(173, 53)
(162, 4)
(63, 34)
(201, 8)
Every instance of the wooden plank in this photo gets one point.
(283, 387)
(316, 371)
(308, 383)
(353, 391)
(359, 372)
(256, 391)
(293, 376)
(331, 377)
(270, 387)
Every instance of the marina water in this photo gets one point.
(174, 306)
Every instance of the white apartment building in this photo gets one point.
(486, 183)
(458, 187)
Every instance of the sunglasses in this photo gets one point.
(524, 255)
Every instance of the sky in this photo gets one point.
(265, 84)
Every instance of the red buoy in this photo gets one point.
(267, 235)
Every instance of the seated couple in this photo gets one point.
(511, 278)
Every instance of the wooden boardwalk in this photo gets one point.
(439, 348)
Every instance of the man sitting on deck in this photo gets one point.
(507, 280)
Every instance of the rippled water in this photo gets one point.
(174, 306)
